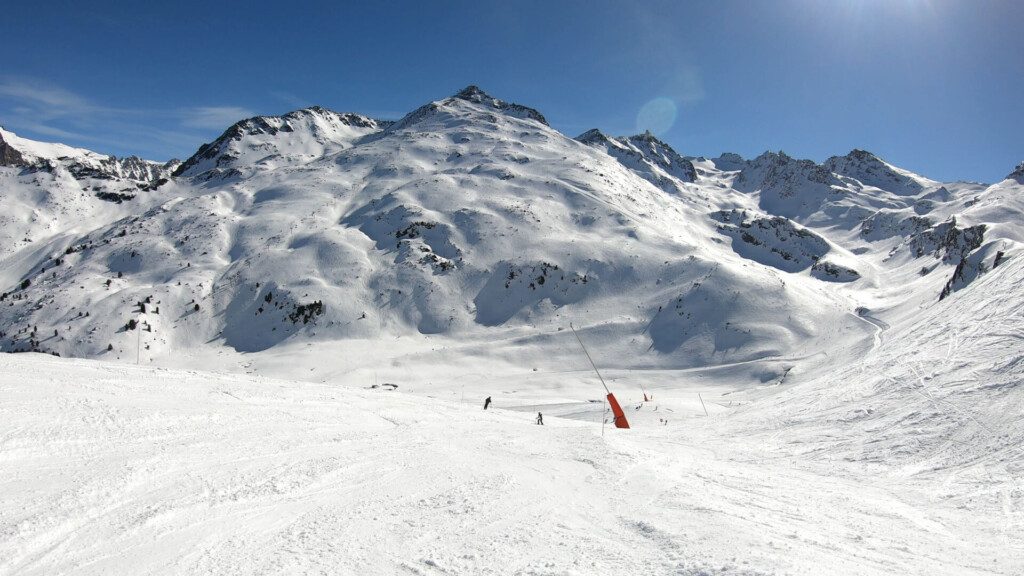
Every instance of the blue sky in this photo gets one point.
(935, 86)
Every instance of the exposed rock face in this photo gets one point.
(825, 270)
(782, 174)
(1017, 174)
(774, 241)
(474, 94)
(871, 170)
(884, 224)
(646, 155)
(112, 168)
(730, 161)
(947, 241)
(788, 186)
(9, 156)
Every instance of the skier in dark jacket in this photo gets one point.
(540, 419)
(487, 402)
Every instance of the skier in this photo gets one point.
(487, 402)
(540, 419)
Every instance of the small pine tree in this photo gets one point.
(25, 284)
(110, 347)
(196, 308)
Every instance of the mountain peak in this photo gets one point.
(859, 154)
(729, 161)
(871, 170)
(9, 155)
(591, 136)
(473, 93)
(644, 154)
(275, 140)
(1017, 174)
(649, 138)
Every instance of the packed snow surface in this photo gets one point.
(122, 469)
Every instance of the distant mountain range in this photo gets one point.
(470, 217)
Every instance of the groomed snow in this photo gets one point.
(118, 469)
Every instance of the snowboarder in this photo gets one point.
(540, 419)
(487, 402)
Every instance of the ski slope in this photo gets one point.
(903, 458)
(123, 469)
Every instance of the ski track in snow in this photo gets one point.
(150, 471)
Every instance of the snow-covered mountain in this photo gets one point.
(268, 142)
(50, 190)
(468, 217)
(644, 154)
(1017, 174)
(850, 319)
(81, 163)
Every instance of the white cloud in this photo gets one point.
(47, 110)
(213, 117)
(56, 100)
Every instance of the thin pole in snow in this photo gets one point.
(138, 342)
(589, 358)
(702, 405)
(642, 388)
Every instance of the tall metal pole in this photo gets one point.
(594, 366)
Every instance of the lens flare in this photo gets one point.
(658, 116)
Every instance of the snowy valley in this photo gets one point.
(273, 356)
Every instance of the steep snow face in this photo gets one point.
(870, 170)
(32, 151)
(649, 157)
(52, 189)
(788, 186)
(939, 392)
(268, 142)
